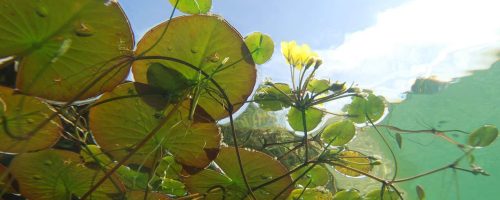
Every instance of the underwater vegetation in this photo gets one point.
(73, 128)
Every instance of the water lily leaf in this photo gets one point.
(318, 85)
(94, 154)
(259, 168)
(6, 180)
(373, 106)
(388, 195)
(166, 78)
(420, 192)
(210, 44)
(169, 168)
(313, 118)
(134, 180)
(61, 45)
(318, 176)
(318, 193)
(338, 133)
(273, 97)
(192, 6)
(483, 136)
(134, 195)
(22, 115)
(57, 174)
(354, 160)
(173, 187)
(134, 109)
(347, 195)
(261, 46)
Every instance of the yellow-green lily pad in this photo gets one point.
(192, 6)
(261, 46)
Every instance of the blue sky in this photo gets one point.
(383, 45)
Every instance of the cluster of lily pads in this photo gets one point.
(158, 137)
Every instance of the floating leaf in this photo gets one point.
(134, 109)
(22, 115)
(483, 136)
(64, 45)
(210, 44)
(318, 193)
(347, 195)
(273, 97)
(338, 133)
(388, 195)
(373, 106)
(166, 78)
(57, 174)
(318, 85)
(259, 168)
(94, 154)
(420, 192)
(318, 176)
(261, 47)
(168, 168)
(313, 118)
(399, 140)
(134, 180)
(173, 187)
(192, 6)
(354, 160)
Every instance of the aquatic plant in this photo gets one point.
(158, 137)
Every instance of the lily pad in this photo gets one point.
(173, 187)
(210, 44)
(57, 174)
(483, 136)
(122, 118)
(318, 193)
(347, 195)
(261, 46)
(373, 106)
(22, 115)
(318, 176)
(313, 118)
(259, 168)
(388, 195)
(192, 6)
(339, 133)
(60, 46)
(273, 97)
(134, 195)
(169, 168)
(354, 160)
(318, 85)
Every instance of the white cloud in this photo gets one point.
(421, 38)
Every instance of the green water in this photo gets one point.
(466, 105)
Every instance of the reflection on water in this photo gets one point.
(466, 105)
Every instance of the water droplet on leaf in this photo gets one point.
(194, 50)
(84, 30)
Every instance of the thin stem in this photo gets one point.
(387, 145)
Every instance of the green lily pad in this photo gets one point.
(134, 195)
(388, 195)
(318, 176)
(57, 174)
(122, 118)
(261, 46)
(313, 118)
(173, 187)
(373, 106)
(354, 160)
(483, 136)
(167, 79)
(318, 193)
(22, 115)
(169, 168)
(210, 44)
(318, 85)
(192, 6)
(259, 168)
(64, 45)
(347, 195)
(338, 133)
(273, 98)
(94, 154)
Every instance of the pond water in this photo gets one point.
(466, 104)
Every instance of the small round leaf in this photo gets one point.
(338, 133)
(353, 160)
(318, 193)
(347, 195)
(261, 47)
(373, 107)
(273, 97)
(312, 119)
(483, 136)
(192, 6)
(318, 176)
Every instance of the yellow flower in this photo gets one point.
(298, 56)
